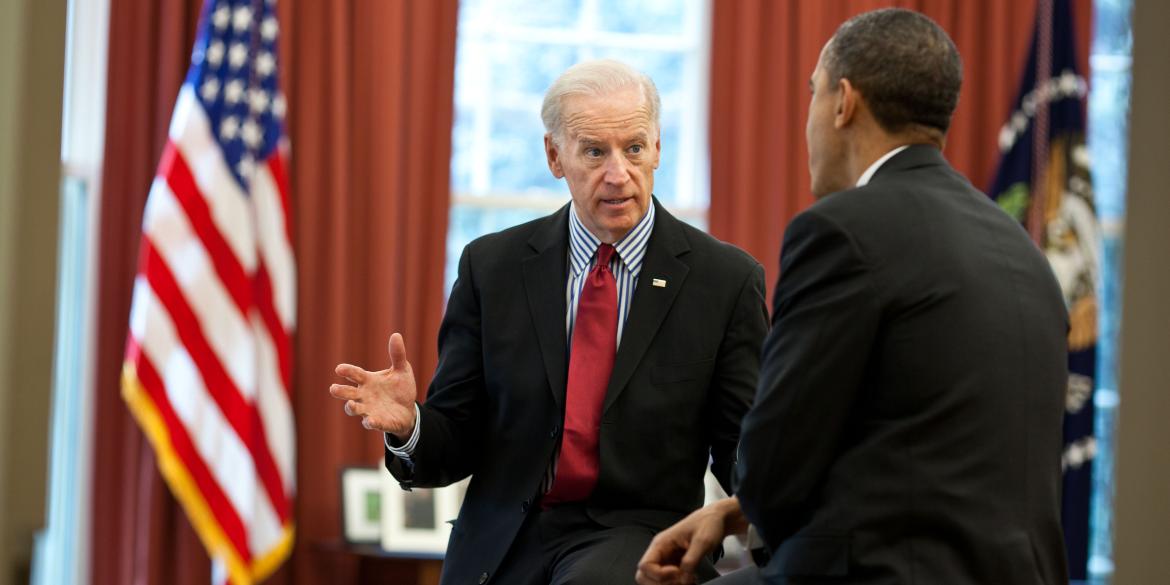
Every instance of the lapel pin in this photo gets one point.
(658, 282)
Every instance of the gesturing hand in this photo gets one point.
(384, 399)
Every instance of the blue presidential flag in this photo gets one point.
(1043, 181)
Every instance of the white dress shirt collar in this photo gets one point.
(877, 164)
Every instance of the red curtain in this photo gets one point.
(369, 85)
(762, 55)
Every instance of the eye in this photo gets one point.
(636, 149)
(593, 151)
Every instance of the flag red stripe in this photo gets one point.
(217, 501)
(231, 273)
(280, 338)
(244, 418)
(276, 166)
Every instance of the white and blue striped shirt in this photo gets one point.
(625, 267)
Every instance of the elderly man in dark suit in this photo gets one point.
(907, 426)
(591, 363)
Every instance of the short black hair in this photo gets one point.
(904, 64)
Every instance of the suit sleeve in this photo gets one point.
(736, 371)
(825, 318)
(450, 422)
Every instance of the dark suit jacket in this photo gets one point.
(907, 427)
(684, 376)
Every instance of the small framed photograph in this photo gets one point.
(416, 522)
(361, 505)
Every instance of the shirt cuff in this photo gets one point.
(406, 450)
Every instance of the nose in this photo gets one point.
(617, 171)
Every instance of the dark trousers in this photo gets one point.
(563, 545)
(745, 576)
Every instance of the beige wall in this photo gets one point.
(32, 51)
(1142, 501)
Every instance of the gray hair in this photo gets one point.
(595, 78)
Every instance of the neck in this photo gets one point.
(866, 153)
(877, 143)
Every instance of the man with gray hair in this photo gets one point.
(591, 363)
(907, 426)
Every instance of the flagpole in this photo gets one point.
(1037, 212)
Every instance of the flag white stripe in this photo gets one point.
(274, 245)
(228, 334)
(264, 528)
(221, 450)
(229, 206)
(272, 399)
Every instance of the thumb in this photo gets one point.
(397, 349)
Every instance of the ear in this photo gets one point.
(554, 157)
(847, 103)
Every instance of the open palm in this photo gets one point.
(384, 399)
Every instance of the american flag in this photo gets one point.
(208, 364)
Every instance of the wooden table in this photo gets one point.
(378, 566)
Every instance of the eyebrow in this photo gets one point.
(640, 136)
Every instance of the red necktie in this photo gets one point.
(590, 364)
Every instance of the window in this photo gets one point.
(510, 51)
(62, 554)
(1108, 137)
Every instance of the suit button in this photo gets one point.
(553, 433)
(524, 506)
(483, 578)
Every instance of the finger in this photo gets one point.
(699, 546)
(397, 348)
(658, 575)
(652, 562)
(653, 555)
(354, 408)
(641, 578)
(352, 373)
(343, 392)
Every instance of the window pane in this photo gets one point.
(666, 180)
(536, 13)
(666, 68)
(1108, 137)
(528, 69)
(658, 17)
(517, 155)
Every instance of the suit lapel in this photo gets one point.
(651, 303)
(544, 284)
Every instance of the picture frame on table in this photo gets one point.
(361, 505)
(418, 522)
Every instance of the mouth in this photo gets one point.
(616, 202)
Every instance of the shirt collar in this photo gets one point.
(877, 164)
(631, 249)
